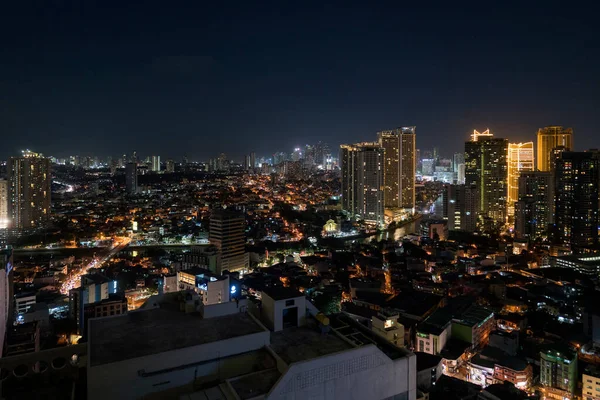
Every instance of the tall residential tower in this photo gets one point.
(362, 181)
(399, 167)
(520, 159)
(29, 190)
(549, 138)
(486, 169)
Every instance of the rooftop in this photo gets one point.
(426, 360)
(304, 343)
(281, 293)
(147, 332)
(255, 384)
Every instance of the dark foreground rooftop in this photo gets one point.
(142, 333)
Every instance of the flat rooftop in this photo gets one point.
(256, 384)
(305, 343)
(143, 333)
(281, 293)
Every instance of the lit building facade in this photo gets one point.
(558, 373)
(577, 213)
(549, 138)
(29, 190)
(362, 181)
(462, 205)
(399, 167)
(486, 168)
(4, 220)
(227, 233)
(590, 384)
(534, 212)
(520, 159)
(155, 163)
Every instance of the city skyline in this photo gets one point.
(195, 78)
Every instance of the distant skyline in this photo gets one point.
(112, 77)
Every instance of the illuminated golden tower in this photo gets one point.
(520, 159)
(549, 138)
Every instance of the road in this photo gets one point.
(74, 280)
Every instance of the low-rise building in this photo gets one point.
(590, 384)
(558, 372)
(386, 324)
(234, 356)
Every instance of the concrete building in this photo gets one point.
(204, 256)
(461, 206)
(549, 138)
(585, 264)
(558, 372)
(29, 190)
(234, 356)
(23, 301)
(534, 212)
(6, 292)
(362, 181)
(228, 233)
(212, 288)
(429, 370)
(487, 170)
(520, 159)
(94, 288)
(4, 219)
(399, 167)
(155, 163)
(474, 326)
(386, 325)
(131, 178)
(590, 384)
(577, 209)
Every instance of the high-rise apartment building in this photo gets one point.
(170, 166)
(131, 178)
(399, 167)
(549, 138)
(227, 233)
(461, 206)
(29, 190)
(4, 220)
(458, 159)
(520, 159)
(362, 181)
(486, 169)
(577, 208)
(155, 163)
(534, 210)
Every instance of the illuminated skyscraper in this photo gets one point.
(577, 208)
(29, 190)
(362, 181)
(131, 178)
(461, 207)
(399, 167)
(155, 163)
(534, 210)
(549, 138)
(486, 169)
(520, 159)
(4, 220)
(227, 233)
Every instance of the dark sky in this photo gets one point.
(200, 77)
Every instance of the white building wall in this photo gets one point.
(122, 380)
(218, 292)
(358, 374)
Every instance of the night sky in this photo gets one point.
(196, 77)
